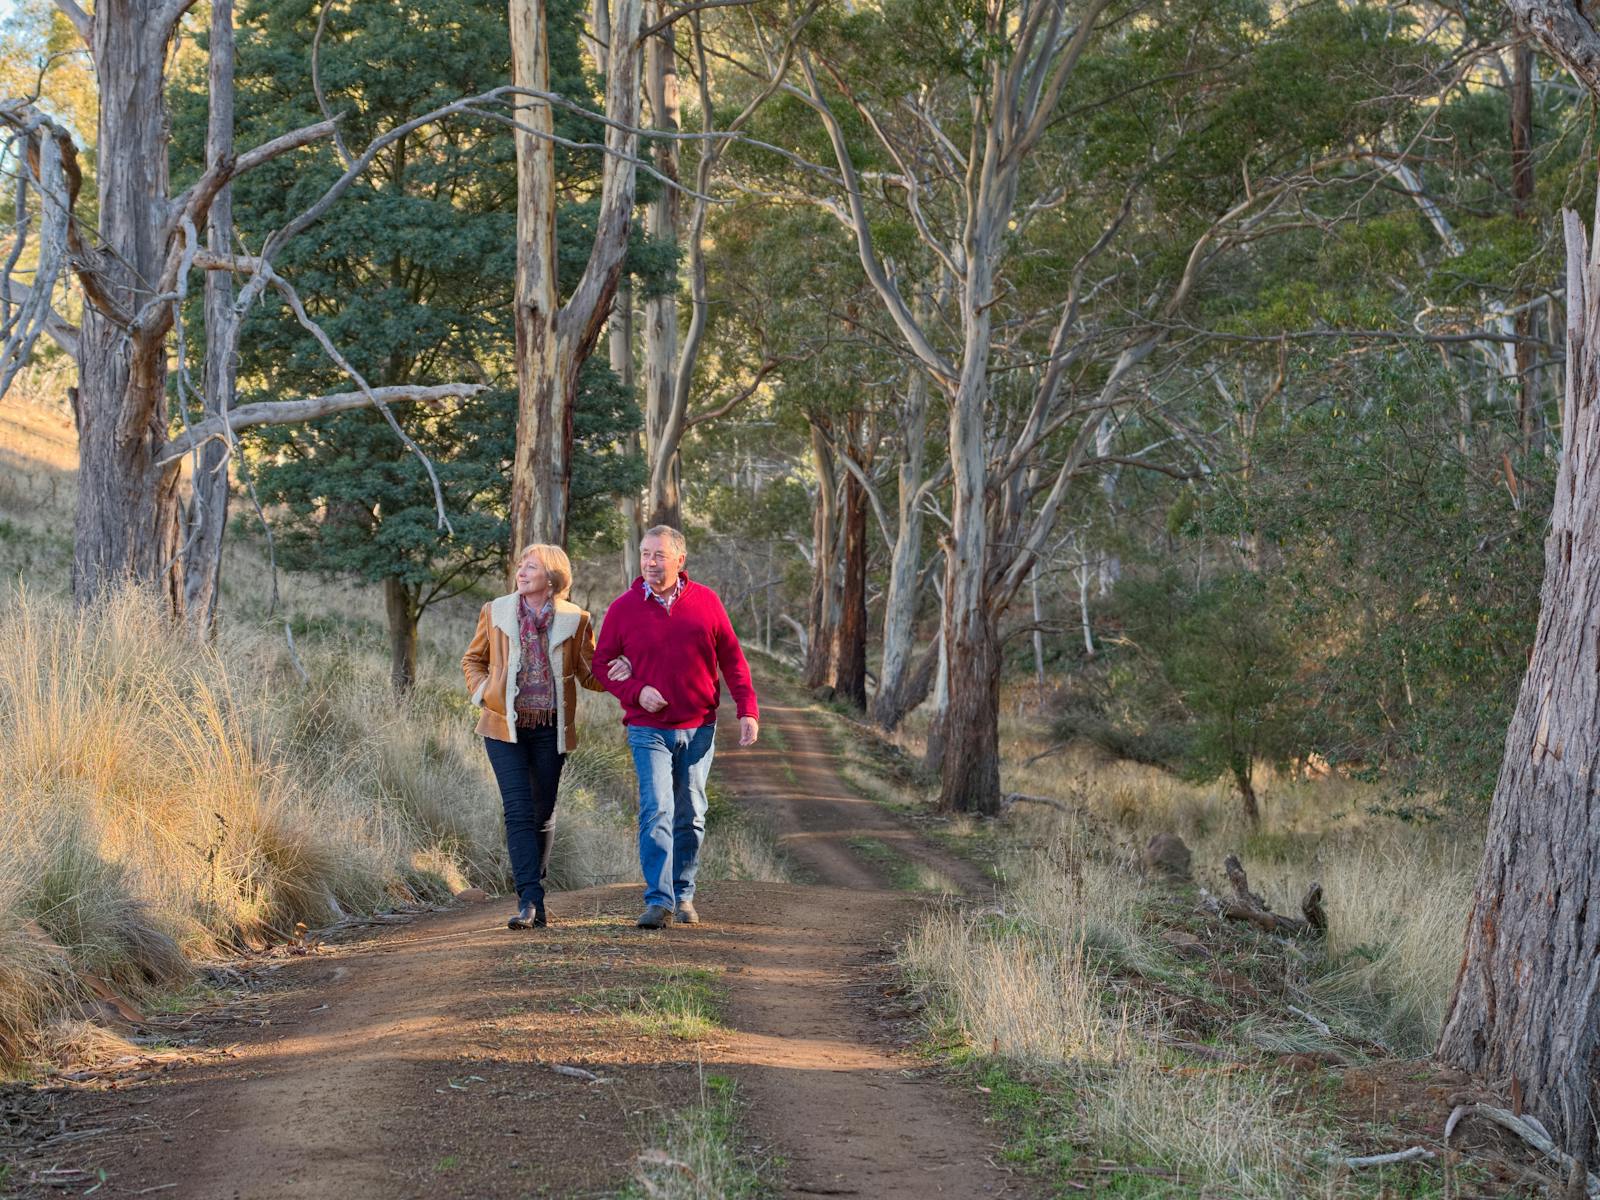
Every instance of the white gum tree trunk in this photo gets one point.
(1526, 1009)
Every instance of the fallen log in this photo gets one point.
(1250, 908)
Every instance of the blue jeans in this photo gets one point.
(672, 765)
(528, 772)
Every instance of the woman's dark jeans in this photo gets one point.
(528, 772)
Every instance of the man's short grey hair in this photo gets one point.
(670, 535)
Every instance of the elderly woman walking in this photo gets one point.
(531, 652)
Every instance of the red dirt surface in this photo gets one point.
(418, 1059)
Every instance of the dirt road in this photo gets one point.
(448, 1057)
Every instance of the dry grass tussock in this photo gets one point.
(161, 799)
(1048, 980)
(1028, 982)
(1396, 892)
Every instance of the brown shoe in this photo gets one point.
(654, 917)
(687, 914)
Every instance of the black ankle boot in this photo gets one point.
(530, 916)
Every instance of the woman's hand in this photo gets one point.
(619, 668)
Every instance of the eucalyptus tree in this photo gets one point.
(414, 273)
(554, 337)
(1527, 1002)
(673, 365)
(134, 266)
(1076, 171)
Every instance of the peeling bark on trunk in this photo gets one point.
(850, 652)
(541, 470)
(891, 701)
(1521, 198)
(127, 522)
(1526, 1009)
(933, 755)
(552, 343)
(208, 504)
(970, 771)
(619, 345)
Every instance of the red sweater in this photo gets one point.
(677, 652)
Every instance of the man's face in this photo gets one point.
(659, 563)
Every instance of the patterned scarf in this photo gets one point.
(536, 685)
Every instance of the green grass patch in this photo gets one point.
(673, 1001)
(903, 874)
(699, 1155)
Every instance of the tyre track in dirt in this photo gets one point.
(416, 1061)
(852, 1113)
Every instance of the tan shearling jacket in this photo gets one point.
(491, 661)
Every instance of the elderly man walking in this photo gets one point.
(677, 637)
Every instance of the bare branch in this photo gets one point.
(263, 272)
(936, 363)
(63, 332)
(81, 21)
(316, 84)
(167, 19)
(196, 200)
(678, 14)
(41, 164)
(856, 469)
(282, 412)
(738, 397)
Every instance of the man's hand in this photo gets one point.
(749, 730)
(619, 668)
(651, 700)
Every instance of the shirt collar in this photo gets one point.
(665, 601)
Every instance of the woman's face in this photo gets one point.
(532, 579)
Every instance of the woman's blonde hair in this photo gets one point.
(555, 563)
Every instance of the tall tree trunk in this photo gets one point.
(663, 503)
(970, 773)
(127, 525)
(824, 615)
(891, 701)
(399, 603)
(619, 344)
(850, 652)
(1104, 445)
(1247, 790)
(1526, 1008)
(552, 343)
(208, 504)
(1521, 199)
(541, 471)
(933, 752)
(1038, 631)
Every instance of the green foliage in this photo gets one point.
(1209, 675)
(1410, 571)
(411, 274)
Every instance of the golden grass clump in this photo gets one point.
(1396, 892)
(161, 798)
(153, 806)
(1030, 982)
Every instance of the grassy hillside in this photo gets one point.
(162, 800)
